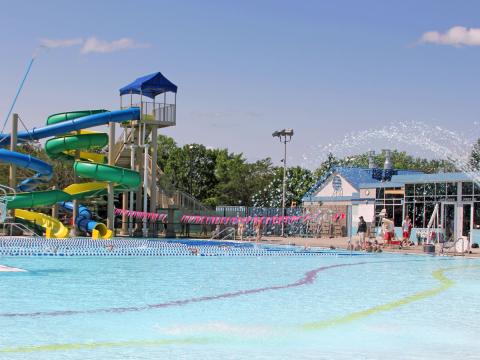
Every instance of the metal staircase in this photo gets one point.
(165, 198)
(15, 229)
(173, 198)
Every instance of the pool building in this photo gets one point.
(453, 198)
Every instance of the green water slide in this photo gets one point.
(67, 146)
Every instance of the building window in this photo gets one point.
(467, 191)
(390, 199)
(418, 215)
(476, 215)
(409, 190)
(441, 190)
(452, 191)
(419, 190)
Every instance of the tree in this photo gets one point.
(475, 156)
(192, 169)
(297, 182)
(166, 146)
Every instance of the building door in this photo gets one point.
(467, 219)
(448, 220)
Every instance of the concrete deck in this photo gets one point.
(342, 243)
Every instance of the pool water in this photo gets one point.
(253, 307)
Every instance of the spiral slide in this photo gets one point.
(90, 166)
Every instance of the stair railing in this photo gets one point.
(226, 233)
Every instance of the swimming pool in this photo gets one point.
(240, 307)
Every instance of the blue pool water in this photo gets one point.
(240, 307)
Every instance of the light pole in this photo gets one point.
(284, 136)
(190, 160)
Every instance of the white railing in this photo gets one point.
(6, 194)
(165, 113)
(8, 229)
(162, 113)
(433, 227)
(457, 247)
(175, 197)
(227, 233)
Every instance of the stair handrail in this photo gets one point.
(229, 231)
(433, 223)
(453, 244)
(197, 205)
(20, 227)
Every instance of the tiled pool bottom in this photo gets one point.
(27, 246)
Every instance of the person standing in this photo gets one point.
(407, 229)
(258, 230)
(241, 228)
(361, 231)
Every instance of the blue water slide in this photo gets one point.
(74, 125)
(84, 219)
(43, 170)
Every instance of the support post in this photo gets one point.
(55, 207)
(170, 233)
(111, 161)
(74, 230)
(153, 174)
(139, 169)
(124, 230)
(12, 179)
(132, 193)
(145, 186)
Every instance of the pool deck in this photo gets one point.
(342, 243)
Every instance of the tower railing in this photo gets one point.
(161, 114)
(4, 198)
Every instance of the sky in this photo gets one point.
(247, 68)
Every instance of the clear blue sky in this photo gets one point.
(246, 68)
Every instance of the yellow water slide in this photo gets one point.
(54, 228)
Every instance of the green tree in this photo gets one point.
(166, 146)
(297, 182)
(192, 169)
(475, 156)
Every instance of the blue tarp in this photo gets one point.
(150, 86)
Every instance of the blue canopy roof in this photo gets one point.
(150, 86)
(356, 176)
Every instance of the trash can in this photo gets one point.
(429, 248)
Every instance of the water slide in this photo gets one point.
(65, 146)
(85, 223)
(54, 228)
